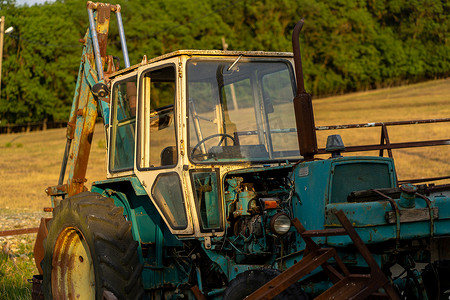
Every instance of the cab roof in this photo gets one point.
(202, 53)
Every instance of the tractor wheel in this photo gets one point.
(249, 281)
(90, 252)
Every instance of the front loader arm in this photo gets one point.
(91, 93)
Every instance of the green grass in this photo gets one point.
(15, 269)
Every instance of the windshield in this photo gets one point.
(241, 110)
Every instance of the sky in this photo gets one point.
(32, 2)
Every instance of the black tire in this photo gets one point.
(91, 223)
(249, 281)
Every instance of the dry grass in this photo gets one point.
(429, 100)
(30, 162)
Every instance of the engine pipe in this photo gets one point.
(304, 115)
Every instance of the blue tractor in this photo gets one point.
(214, 189)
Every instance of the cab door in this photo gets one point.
(158, 163)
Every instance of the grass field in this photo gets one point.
(31, 162)
(429, 100)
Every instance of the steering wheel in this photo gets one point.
(223, 135)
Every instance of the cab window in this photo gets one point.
(123, 124)
(159, 148)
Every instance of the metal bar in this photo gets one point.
(305, 266)
(98, 60)
(385, 140)
(382, 141)
(392, 146)
(312, 246)
(376, 273)
(18, 231)
(197, 293)
(64, 162)
(396, 210)
(324, 232)
(430, 211)
(123, 42)
(423, 180)
(369, 125)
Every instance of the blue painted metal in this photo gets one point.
(133, 180)
(149, 229)
(94, 38)
(123, 42)
(408, 196)
(91, 80)
(370, 220)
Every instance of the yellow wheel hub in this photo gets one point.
(73, 274)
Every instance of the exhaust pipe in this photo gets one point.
(304, 115)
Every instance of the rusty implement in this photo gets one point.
(346, 285)
(18, 231)
(39, 244)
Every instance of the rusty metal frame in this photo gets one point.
(19, 231)
(346, 285)
(385, 143)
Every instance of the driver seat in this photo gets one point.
(169, 156)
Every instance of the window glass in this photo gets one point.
(241, 110)
(160, 94)
(207, 199)
(358, 177)
(277, 99)
(123, 124)
(167, 193)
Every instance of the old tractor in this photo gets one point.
(214, 189)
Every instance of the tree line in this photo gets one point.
(347, 45)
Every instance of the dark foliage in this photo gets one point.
(347, 45)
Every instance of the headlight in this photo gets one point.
(280, 224)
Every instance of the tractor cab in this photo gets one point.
(181, 121)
